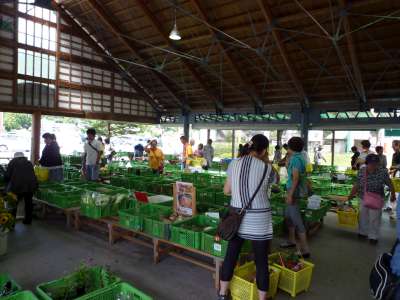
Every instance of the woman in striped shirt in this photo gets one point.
(244, 176)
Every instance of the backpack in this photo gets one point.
(383, 283)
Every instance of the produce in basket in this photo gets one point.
(6, 289)
(291, 261)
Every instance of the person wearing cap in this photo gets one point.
(156, 157)
(20, 179)
(371, 179)
(51, 158)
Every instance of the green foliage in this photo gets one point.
(13, 121)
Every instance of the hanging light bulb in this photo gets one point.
(174, 34)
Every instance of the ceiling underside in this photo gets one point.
(253, 55)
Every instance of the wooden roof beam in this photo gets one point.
(266, 10)
(115, 66)
(353, 56)
(157, 25)
(99, 10)
(249, 87)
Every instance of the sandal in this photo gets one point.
(287, 244)
(223, 297)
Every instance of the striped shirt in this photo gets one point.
(245, 175)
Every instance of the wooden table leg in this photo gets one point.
(218, 265)
(110, 234)
(77, 221)
(44, 211)
(156, 251)
(68, 217)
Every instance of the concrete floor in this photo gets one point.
(47, 250)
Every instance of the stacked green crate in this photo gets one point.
(188, 233)
(205, 196)
(278, 223)
(221, 199)
(118, 291)
(87, 280)
(157, 224)
(7, 283)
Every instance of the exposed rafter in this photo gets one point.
(353, 55)
(266, 10)
(118, 68)
(249, 87)
(99, 10)
(156, 24)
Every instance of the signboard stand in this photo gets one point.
(185, 199)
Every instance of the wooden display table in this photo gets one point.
(160, 247)
(69, 212)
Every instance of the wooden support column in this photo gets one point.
(279, 137)
(304, 127)
(333, 148)
(208, 134)
(35, 142)
(233, 143)
(186, 125)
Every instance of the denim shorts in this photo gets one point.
(92, 172)
(293, 217)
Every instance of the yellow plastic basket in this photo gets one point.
(244, 287)
(291, 281)
(42, 174)
(396, 184)
(348, 218)
(350, 172)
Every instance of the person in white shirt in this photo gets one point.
(365, 145)
(92, 152)
(318, 157)
(208, 153)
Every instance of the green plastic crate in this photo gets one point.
(131, 218)
(112, 293)
(210, 246)
(4, 278)
(66, 199)
(205, 196)
(98, 277)
(278, 225)
(24, 295)
(155, 226)
(222, 199)
(316, 215)
(184, 236)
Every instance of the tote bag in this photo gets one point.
(372, 200)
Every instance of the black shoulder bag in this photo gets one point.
(230, 224)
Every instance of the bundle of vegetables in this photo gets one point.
(96, 204)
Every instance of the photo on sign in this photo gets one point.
(184, 197)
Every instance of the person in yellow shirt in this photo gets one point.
(156, 157)
(187, 151)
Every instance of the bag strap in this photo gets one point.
(365, 180)
(256, 191)
(91, 146)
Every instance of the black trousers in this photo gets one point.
(260, 249)
(27, 198)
